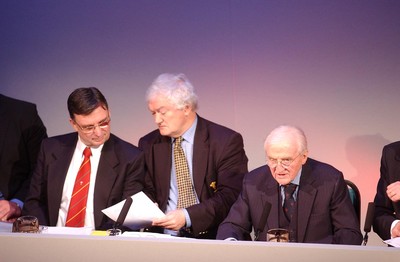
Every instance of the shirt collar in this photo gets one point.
(296, 180)
(188, 136)
(81, 146)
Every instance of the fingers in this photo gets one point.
(393, 191)
(174, 220)
(9, 210)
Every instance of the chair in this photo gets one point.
(355, 197)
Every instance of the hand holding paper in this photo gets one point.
(141, 213)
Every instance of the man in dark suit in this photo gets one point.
(322, 209)
(21, 133)
(387, 199)
(214, 155)
(117, 167)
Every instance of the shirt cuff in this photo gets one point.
(187, 218)
(230, 239)
(19, 203)
(392, 226)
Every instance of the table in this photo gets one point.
(59, 248)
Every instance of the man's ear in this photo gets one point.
(73, 124)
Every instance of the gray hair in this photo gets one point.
(283, 131)
(175, 88)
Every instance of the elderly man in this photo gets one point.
(321, 208)
(195, 166)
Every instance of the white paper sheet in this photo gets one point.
(67, 230)
(145, 235)
(395, 242)
(5, 227)
(141, 213)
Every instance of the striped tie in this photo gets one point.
(186, 195)
(289, 206)
(77, 207)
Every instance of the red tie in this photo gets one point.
(77, 207)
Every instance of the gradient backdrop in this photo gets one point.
(330, 67)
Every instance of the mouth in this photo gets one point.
(281, 175)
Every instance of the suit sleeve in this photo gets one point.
(36, 201)
(237, 224)
(33, 132)
(384, 211)
(230, 167)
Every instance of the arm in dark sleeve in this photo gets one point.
(384, 211)
(230, 168)
(36, 201)
(33, 132)
(237, 224)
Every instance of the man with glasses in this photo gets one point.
(195, 166)
(318, 209)
(81, 173)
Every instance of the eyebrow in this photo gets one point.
(101, 121)
(158, 109)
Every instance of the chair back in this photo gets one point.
(355, 197)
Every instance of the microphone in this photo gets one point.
(368, 221)
(121, 217)
(263, 220)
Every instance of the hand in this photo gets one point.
(9, 211)
(174, 220)
(393, 191)
(396, 230)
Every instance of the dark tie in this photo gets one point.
(77, 206)
(186, 195)
(289, 206)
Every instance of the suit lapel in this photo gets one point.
(272, 196)
(105, 179)
(201, 148)
(58, 165)
(306, 196)
(269, 193)
(162, 169)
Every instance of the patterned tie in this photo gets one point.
(289, 206)
(77, 207)
(186, 195)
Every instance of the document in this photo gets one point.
(6, 227)
(140, 214)
(394, 242)
(146, 235)
(85, 231)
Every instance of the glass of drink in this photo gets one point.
(278, 235)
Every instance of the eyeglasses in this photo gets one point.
(285, 163)
(90, 129)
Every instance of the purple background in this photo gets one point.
(330, 67)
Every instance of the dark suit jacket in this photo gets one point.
(325, 211)
(387, 211)
(219, 164)
(120, 174)
(21, 133)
